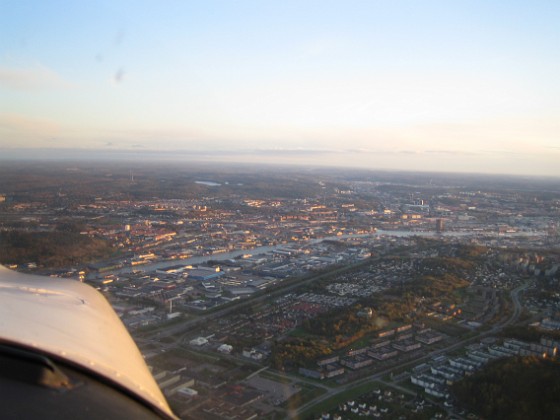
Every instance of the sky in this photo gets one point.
(461, 86)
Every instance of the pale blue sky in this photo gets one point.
(421, 85)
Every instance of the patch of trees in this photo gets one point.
(396, 309)
(529, 334)
(51, 249)
(522, 333)
(432, 287)
(513, 388)
(342, 326)
(438, 287)
(298, 352)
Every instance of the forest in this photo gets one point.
(513, 388)
(51, 249)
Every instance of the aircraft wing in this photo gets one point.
(62, 337)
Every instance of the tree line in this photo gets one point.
(51, 249)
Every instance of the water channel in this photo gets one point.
(264, 249)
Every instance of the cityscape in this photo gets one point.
(287, 292)
(280, 210)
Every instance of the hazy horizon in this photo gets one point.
(295, 160)
(467, 87)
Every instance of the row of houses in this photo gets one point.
(381, 349)
(444, 372)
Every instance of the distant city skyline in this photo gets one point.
(406, 85)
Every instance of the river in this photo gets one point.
(264, 249)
